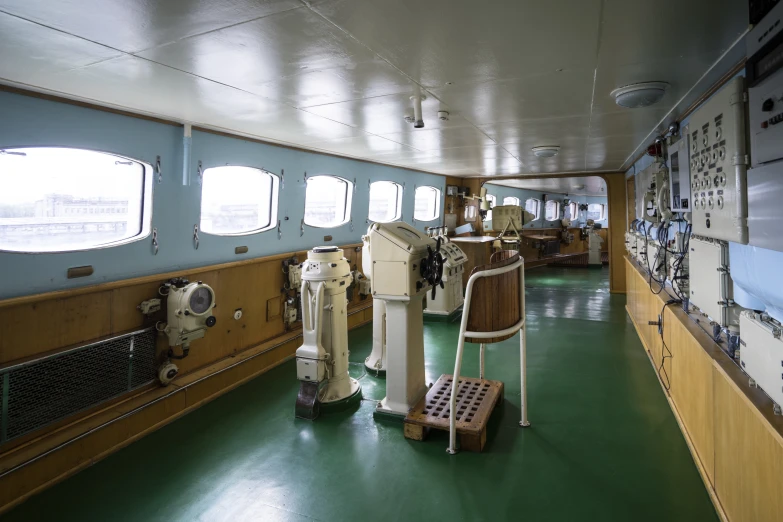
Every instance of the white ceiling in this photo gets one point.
(574, 186)
(337, 75)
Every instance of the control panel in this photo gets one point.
(718, 165)
(765, 88)
(711, 287)
(680, 174)
(761, 353)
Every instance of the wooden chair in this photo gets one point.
(494, 311)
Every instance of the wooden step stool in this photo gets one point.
(476, 398)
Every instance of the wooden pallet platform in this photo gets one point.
(476, 399)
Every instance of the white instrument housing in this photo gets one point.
(391, 258)
(189, 312)
(450, 297)
(323, 355)
(594, 242)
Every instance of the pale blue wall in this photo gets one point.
(29, 121)
(501, 191)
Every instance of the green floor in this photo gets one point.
(603, 443)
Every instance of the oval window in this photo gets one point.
(426, 204)
(238, 200)
(385, 201)
(61, 199)
(327, 201)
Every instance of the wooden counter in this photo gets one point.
(734, 436)
(479, 251)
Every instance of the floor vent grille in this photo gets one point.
(48, 389)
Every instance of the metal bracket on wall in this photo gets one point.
(354, 186)
(155, 241)
(195, 236)
(157, 169)
(301, 228)
(200, 172)
(282, 178)
(279, 231)
(305, 177)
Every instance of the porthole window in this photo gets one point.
(61, 200)
(385, 201)
(426, 204)
(238, 200)
(492, 200)
(552, 210)
(533, 206)
(573, 210)
(511, 200)
(327, 201)
(596, 211)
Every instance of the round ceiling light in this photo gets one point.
(639, 95)
(546, 151)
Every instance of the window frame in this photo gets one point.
(437, 203)
(147, 195)
(537, 214)
(349, 188)
(574, 207)
(398, 211)
(493, 201)
(602, 215)
(557, 210)
(513, 198)
(274, 197)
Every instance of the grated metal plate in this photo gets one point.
(49, 389)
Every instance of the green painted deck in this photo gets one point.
(603, 444)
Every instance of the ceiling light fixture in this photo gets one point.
(546, 151)
(639, 95)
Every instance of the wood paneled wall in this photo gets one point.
(615, 186)
(231, 353)
(730, 428)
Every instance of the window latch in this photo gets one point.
(154, 241)
(195, 236)
(279, 231)
(157, 169)
(282, 179)
(200, 172)
(301, 228)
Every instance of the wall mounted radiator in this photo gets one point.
(44, 390)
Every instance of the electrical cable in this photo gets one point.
(662, 368)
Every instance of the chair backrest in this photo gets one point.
(502, 255)
(495, 300)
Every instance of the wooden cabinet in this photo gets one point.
(730, 428)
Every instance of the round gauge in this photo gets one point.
(200, 300)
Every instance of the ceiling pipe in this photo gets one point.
(419, 120)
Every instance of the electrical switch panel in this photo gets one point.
(761, 353)
(711, 287)
(765, 88)
(680, 174)
(719, 166)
